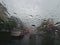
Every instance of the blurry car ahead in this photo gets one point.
(17, 34)
(27, 31)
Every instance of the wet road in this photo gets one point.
(22, 41)
(33, 40)
(26, 40)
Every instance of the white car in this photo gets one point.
(15, 33)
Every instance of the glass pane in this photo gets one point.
(29, 22)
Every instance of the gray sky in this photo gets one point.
(38, 8)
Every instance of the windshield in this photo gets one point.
(30, 22)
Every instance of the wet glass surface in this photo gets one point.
(29, 22)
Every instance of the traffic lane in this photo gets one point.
(26, 40)
(39, 40)
(36, 39)
(20, 41)
(23, 41)
(5, 42)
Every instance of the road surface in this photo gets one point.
(33, 40)
(22, 41)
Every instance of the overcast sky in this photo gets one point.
(39, 9)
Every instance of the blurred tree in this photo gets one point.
(3, 12)
(45, 23)
(3, 15)
(10, 24)
(5, 21)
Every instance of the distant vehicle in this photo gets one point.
(17, 33)
(27, 31)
